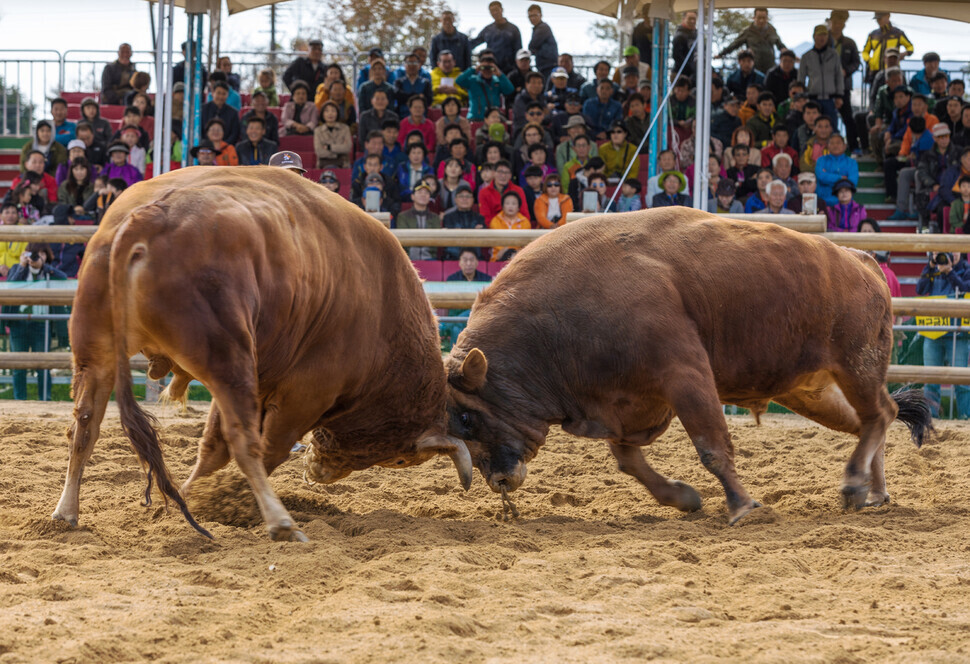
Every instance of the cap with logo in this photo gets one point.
(287, 159)
(559, 72)
(523, 53)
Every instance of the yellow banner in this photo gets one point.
(940, 321)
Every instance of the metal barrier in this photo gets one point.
(27, 77)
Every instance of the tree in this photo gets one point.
(19, 111)
(395, 26)
(606, 31)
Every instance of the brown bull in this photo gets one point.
(294, 308)
(613, 325)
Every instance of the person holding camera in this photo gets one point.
(945, 274)
(486, 86)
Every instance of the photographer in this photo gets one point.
(945, 274)
(486, 86)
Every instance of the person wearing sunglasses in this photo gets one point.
(618, 153)
(553, 205)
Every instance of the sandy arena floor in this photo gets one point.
(404, 566)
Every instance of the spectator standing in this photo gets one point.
(543, 44)
(116, 77)
(501, 36)
(643, 35)
(309, 69)
(761, 39)
(745, 75)
(219, 108)
(942, 276)
(821, 73)
(449, 39)
(779, 78)
(834, 167)
(845, 215)
(260, 104)
(256, 149)
(443, 78)
(411, 83)
(884, 37)
(848, 53)
(486, 85)
(684, 38)
(920, 82)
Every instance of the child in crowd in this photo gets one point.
(215, 131)
(118, 166)
(959, 213)
(136, 154)
(510, 218)
(759, 200)
(537, 159)
(629, 198)
(778, 145)
(846, 214)
(596, 183)
(412, 171)
(391, 152)
(329, 180)
(742, 173)
(552, 206)
(267, 85)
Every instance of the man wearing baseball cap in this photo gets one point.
(631, 58)
(921, 79)
(884, 37)
(291, 161)
(309, 69)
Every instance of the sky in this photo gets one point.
(103, 24)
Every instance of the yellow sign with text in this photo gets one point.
(940, 321)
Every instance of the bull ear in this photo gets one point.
(473, 369)
(454, 448)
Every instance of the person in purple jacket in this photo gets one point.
(846, 215)
(118, 166)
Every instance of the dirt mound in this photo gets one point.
(405, 566)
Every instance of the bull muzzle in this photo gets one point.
(508, 480)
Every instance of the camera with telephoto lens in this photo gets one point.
(34, 256)
(943, 259)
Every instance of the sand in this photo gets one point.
(405, 567)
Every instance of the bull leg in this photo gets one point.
(672, 493)
(865, 481)
(240, 413)
(92, 390)
(213, 450)
(694, 398)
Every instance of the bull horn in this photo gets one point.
(454, 448)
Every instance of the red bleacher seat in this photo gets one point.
(73, 112)
(112, 112)
(77, 97)
(343, 176)
(429, 270)
(493, 268)
(297, 143)
(448, 268)
(284, 99)
(434, 114)
(246, 98)
(149, 168)
(115, 125)
(309, 158)
(275, 110)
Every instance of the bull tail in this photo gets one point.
(130, 246)
(914, 412)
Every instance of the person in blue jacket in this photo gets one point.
(835, 166)
(602, 111)
(945, 274)
(486, 86)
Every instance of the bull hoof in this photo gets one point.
(685, 497)
(741, 511)
(877, 499)
(854, 497)
(287, 533)
(71, 521)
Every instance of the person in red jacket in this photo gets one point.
(490, 196)
(780, 142)
(35, 163)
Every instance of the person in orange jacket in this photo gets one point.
(553, 205)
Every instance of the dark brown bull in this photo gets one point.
(294, 308)
(613, 325)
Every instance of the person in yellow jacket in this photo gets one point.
(443, 81)
(10, 252)
(617, 153)
(508, 219)
(884, 37)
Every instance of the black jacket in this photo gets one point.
(250, 155)
(229, 117)
(457, 44)
(683, 38)
(302, 69)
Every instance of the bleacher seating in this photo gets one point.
(275, 110)
(300, 144)
(78, 97)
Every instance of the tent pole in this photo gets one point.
(703, 90)
(707, 110)
(167, 130)
(198, 90)
(654, 97)
(664, 81)
(188, 80)
(159, 85)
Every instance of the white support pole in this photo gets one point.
(702, 100)
(166, 143)
(706, 110)
(159, 81)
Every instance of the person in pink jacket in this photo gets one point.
(300, 115)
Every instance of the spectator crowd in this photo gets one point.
(514, 136)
